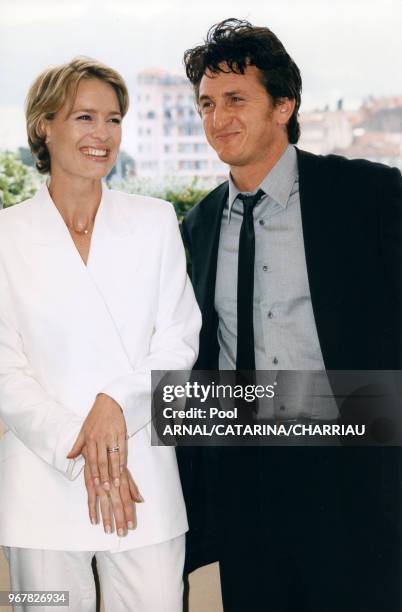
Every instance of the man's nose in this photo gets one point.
(221, 116)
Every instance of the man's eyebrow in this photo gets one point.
(235, 92)
(226, 94)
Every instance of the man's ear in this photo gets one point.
(284, 108)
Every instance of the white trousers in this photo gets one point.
(147, 579)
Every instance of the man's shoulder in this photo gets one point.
(342, 166)
(208, 204)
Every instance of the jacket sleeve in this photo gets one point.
(41, 423)
(174, 342)
(187, 246)
(185, 235)
(389, 197)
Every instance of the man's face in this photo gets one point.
(239, 118)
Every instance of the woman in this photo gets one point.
(93, 296)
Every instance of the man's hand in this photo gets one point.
(116, 508)
(104, 428)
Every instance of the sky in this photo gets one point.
(344, 48)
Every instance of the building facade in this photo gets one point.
(170, 140)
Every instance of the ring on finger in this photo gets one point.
(113, 449)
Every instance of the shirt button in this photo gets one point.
(270, 315)
(275, 360)
(265, 268)
(261, 222)
(282, 408)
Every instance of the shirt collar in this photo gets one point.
(277, 184)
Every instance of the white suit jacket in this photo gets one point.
(70, 331)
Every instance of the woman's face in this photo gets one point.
(83, 139)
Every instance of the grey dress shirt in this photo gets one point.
(285, 334)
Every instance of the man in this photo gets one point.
(302, 254)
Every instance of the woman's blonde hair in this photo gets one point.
(49, 92)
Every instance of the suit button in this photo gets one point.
(265, 268)
(261, 222)
(282, 408)
(275, 360)
(270, 315)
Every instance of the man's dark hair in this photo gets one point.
(237, 44)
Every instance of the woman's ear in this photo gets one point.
(44, 130)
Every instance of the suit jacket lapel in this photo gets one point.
(205, 232)
(66, 295)
(213, 208)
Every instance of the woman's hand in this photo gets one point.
(116, 507)
(103, 433)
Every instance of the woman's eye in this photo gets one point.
(84, 117)
(116, 120)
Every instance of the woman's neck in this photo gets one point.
(77, 201)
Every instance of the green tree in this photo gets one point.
(183, 193)
(183, 200)
(18, 182)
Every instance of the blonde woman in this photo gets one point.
(93, 295)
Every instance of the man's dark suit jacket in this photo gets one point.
(352, 227)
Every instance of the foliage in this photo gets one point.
(18, 182)
(180, 192)
(184, 200)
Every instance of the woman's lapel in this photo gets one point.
(70, 289)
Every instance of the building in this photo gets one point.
(373, 132)
(324, 131)
(170, 140)
(377, 134)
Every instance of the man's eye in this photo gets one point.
(236, 99)
(206, 106)
(116, 120)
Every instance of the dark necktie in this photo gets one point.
(245, 359)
